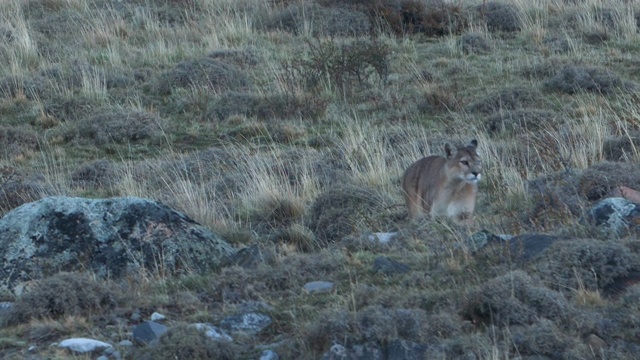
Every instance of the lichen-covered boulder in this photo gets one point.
(110, 237)
(616, 216)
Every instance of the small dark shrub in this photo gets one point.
(116, 127)
(340, 211)
(475, 43)
(298, 236)
(97, 173)
(593, 264)
(348, 66)
(207, 73)
(329, 326)
(17, 141)
(188, 342)
(73, 108)
(64, 294)
(622, 148)
(275, 211)
(501, 16)
(542, 338)
(515, 299)
(16, 86)
(431, 17)
(510, 98)
(572, 79)
(15, 190)
(439, 100)
(521, 121)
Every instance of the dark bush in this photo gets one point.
(73, 108)
(298, 236)
(16, 190)
(475, 43)
(501, 16)
(431, 17)
(209, 73)
(97, 173)
(347, 66)
(598, 180)
(593, 264)
(118, 126)
(64, 294)
(267, 107)
(572, 79)
(509, 98)
(515, 299)
(340, 211)
(329, 326)
(522, 121)
(622, 148)
(188, 342)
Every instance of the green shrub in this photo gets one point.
(64, 294)
(588, 263)
(17, 141)
(573, 79)
(321, 21)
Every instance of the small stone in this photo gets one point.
(318, 287)
(383, 237)
(102, 357)
(136, 316)
(269, 355)
(156, 316)
(32, 348)
(83, 345)
(125, 343)
(213, 332)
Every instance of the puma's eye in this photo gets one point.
(465, 162)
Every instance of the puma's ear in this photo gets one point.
(473, 144)
(448, 150)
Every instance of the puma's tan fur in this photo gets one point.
(444, 186)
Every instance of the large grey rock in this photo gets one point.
(615, 216)
(110, 237)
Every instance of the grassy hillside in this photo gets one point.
(288, 123)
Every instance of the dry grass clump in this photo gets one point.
(267, 107)
(500, 16)
(586, 264)
(64, 294)
(298, 236)
(207, 73)
(16, 189)
(515, 298)
(116, 126)
(573, 79)
(72, 108)
(188, 342)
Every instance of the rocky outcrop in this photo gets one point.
(110, 237)
(615, 216)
